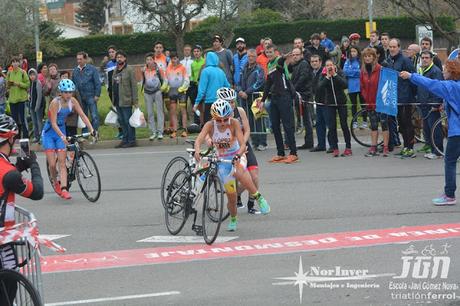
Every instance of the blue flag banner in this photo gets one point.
(387, 93)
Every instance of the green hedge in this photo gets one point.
(281, 33)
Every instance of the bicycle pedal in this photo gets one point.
(198, 229)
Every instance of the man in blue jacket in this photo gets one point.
(430, 106)
(211, 79)
(252, 81)
(88, 84)
(406, 95)
(449, 90)
(240, 58)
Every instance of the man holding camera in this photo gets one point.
(12, 183)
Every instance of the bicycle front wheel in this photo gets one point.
(213, 206)
(176, 164)
(16, 289)
(88, 177)
(439, 135)
(178, 200)
(361, 129)
(417, 123)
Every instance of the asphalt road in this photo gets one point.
(319, 194)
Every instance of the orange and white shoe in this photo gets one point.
(291, 159)
(277, 159)
(57, 188)
(65, 194)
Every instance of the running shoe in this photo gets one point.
(364, 125)
(65, 195)
(409, 153)
(444, 201)
(291, 159)
(239, 204)
(232, 224)
(335, 153)
(153, 136)
(57, 187)
(277, 159)
(385, 152)
(425, 149)
(402, 152)
(261, 148)
(347, 152)
(355, 125)
(253, 211)
(263, 205)
(160, 136)
(372, 152)
(432, 156)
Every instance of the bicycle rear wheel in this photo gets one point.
(16, 289)
(439, 127)
(176, 164)
(88, 177)
(417, 123)
(178, 204)
(361, 129)
(213, 206)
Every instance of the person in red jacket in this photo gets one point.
(369, 81)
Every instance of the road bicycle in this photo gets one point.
(192, 185)
(81, 167)
(362, 133)
(440, 124)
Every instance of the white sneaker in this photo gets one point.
(355, 125)
(364, 125)
(261, 148)
(431, 156)
(153, 136)
(160, 136)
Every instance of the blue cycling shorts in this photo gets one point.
(51, 140)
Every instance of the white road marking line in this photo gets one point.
(118, 298)
(184, 239)
(137, 153)
(53, 237)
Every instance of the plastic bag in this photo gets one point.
(111, 119)
(137, 119)
(80, 123)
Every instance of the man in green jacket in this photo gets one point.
(17, 82)
(197, 64)
(124, 98)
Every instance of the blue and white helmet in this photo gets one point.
(66, 85)
(227, 94)
(221, 109)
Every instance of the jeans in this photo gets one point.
(332, 126)
(156, 100)
(405, 123)
(258, 133)
(281, 112)
(89, 106)
(2, 108)
(18, 114)
(308, 124)
(428, 123)
(37, 121)
(452, 154)
(129, 133)
(321, 123)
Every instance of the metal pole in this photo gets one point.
(370, 8)
(36, 26)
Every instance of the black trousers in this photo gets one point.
(307, 123)
(406, 126)
(332, 126)
(281, 112)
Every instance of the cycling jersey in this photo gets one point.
(177, 77)
(51, 140)
(227, 147)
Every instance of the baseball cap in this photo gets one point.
(240, 39)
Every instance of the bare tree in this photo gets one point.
(427, 11)
(228, 12)
(171, 16)
(307, 9)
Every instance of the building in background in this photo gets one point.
(115, 22)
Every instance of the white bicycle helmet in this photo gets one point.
(221, 109)
(227, 94)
